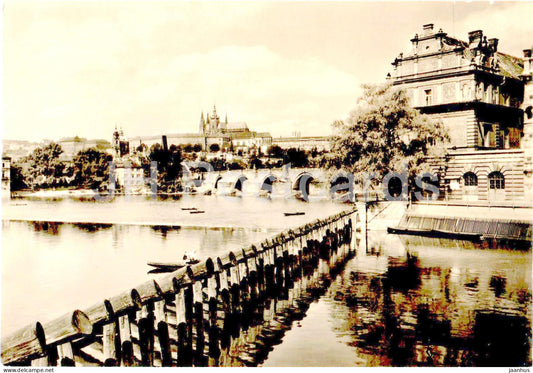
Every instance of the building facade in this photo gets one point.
(6, 176)
(231, 135)
(477, 92)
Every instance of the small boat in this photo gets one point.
(169, 267)
(196, 212)
(294, 213)
(189, 208)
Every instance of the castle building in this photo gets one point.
(234, 135)
(477, 92)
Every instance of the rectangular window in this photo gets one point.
(428, 97)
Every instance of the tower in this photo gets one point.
(116, 143)
(201, 126)
(215, 120)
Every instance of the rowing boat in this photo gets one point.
(294, 213)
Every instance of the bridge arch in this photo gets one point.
(301, 184)
(266, 182)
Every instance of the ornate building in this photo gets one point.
(477, 92)
(234, 135)
(121, 145)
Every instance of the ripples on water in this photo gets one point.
(427, 302)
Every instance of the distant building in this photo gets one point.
(129, 177)
(121, 146)
(308, 143)
(477, 92)
(228, 135)
(234, 135)
(6, 176)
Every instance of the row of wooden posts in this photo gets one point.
(219, 312)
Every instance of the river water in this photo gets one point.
(400, 301)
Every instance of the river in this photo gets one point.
(400, 301)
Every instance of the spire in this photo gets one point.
(226, 118)
(202, 123)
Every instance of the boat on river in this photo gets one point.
(188, 259)
(294, 213)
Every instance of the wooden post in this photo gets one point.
(126, 346)
(27, 343)
(184, 356)
(162, 345)
(67, 327)
(65, 354)
(109, 343)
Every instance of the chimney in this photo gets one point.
(428, 28)
(527, 53)
(493, 44)
(474, 38)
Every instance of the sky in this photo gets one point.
(78, 68)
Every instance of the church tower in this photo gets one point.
(215, 120)
(201, 127)
(116, 143)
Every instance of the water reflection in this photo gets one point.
(92, 227)
(46, 226)
(431, 302)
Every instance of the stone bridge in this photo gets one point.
(285, 182)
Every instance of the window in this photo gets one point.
(496, 180)
(428, 97)
(470, 179)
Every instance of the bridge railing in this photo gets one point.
(195, 313)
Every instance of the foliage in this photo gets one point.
(168, 163)
(91, 168)
(45, 161)
(384, 134)
(42, 168)
(256, 163)
(297, 157)
(16, 177)
(275, 151)
(214, 148)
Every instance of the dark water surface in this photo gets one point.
(412, 301)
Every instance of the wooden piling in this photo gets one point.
(27, 343)
(67, 327)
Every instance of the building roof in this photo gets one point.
(478, 52)
(237, 126)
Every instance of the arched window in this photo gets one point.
(470, 179)
(496, 180)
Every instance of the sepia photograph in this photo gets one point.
(271, 184)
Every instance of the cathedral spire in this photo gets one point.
(202, 124)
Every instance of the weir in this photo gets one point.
(224, 311)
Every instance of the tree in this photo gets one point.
(16, 177)
(297, 157)
(168, 164)
(214, 148)
(385, 134)
(43, 165)
(91, 168)
(275, 151)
